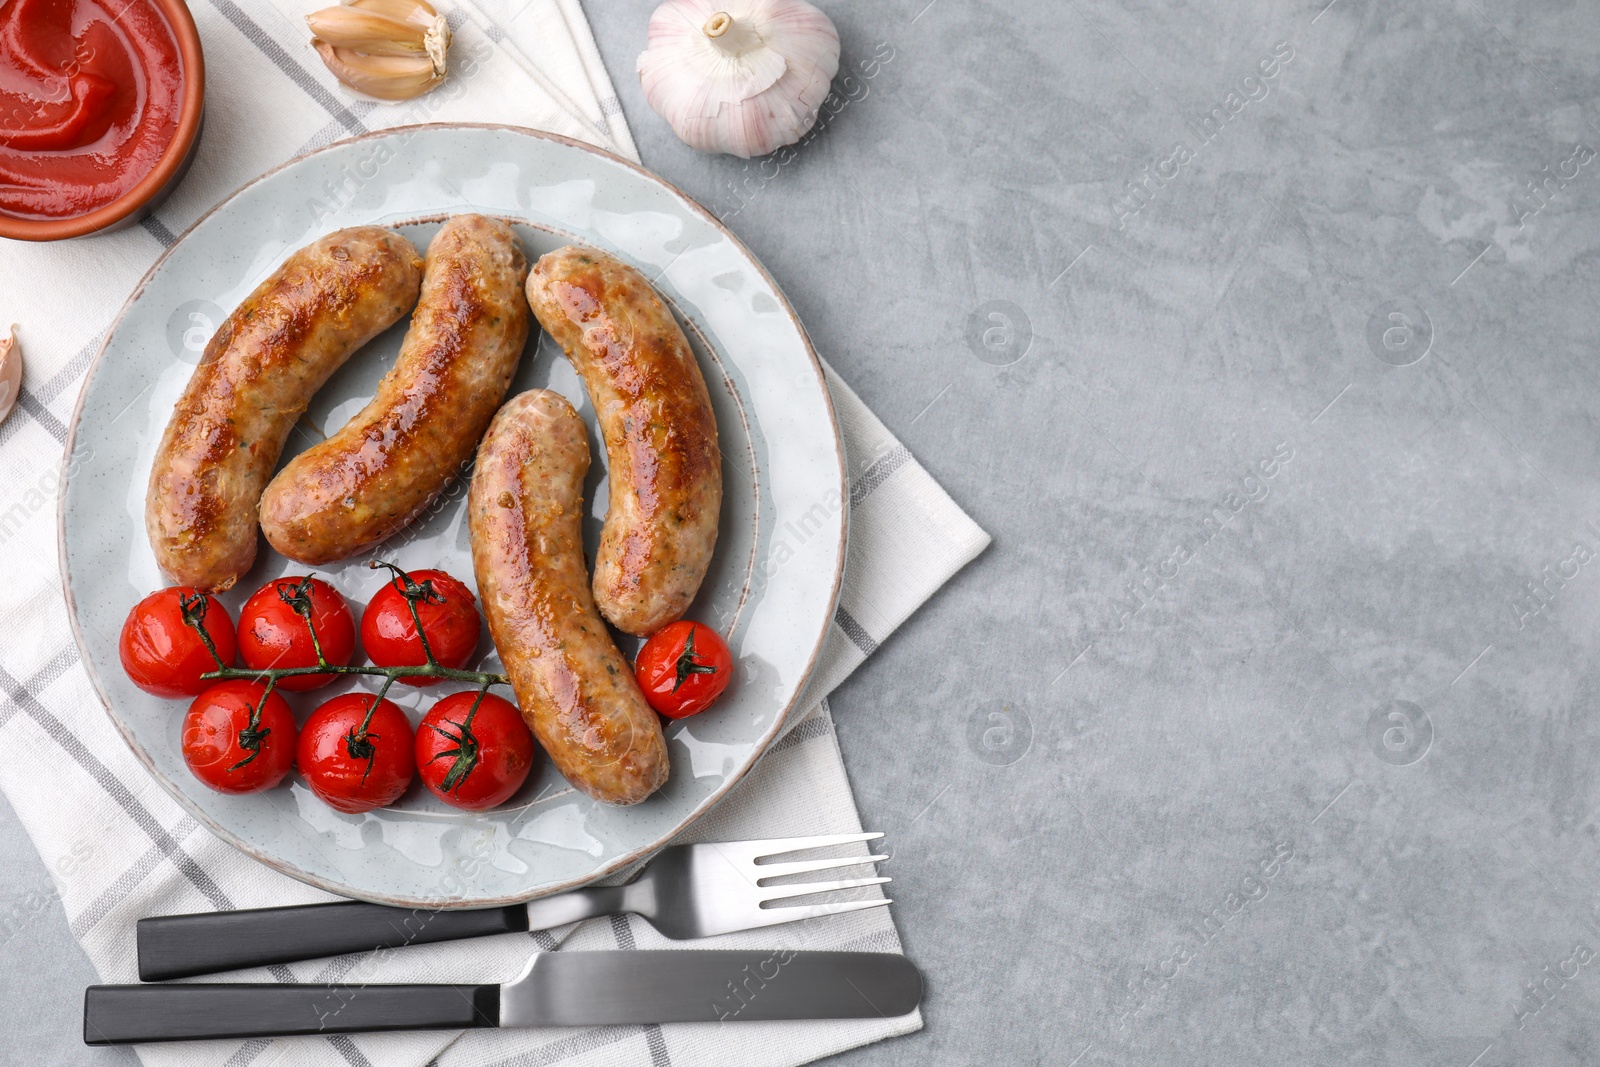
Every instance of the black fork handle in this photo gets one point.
(181, 946)
(128, 1014)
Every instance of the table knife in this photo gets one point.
(555, 989)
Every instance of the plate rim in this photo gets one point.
(762, 744)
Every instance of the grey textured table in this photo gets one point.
(1260, 337)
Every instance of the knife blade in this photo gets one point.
(556, 989)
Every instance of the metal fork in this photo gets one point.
(686, 891)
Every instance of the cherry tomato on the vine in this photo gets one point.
(165, 655)
(273, 631)
(355, 761)
(229, 747)
(474, 754)
(683, 668)
(449, 614)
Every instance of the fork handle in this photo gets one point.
(181, 946)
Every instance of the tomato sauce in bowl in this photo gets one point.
(93, 95)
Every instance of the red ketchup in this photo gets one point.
(89, 99)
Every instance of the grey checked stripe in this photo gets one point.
(347, 1048)
(247, 1052)
(578, 1044)
(809, 730)
(41, 414)
(71, 372)
(42, 679)
(9, 428)
(126, 882)
(114, 788)
(158, 229)
(855, 631)
(622, 932)
(653, 1037)
(878, 473)
(337, 969)
(656, 1041)
(545, 940)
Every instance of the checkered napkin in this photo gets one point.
(118, 847)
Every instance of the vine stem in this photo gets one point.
(425, 670)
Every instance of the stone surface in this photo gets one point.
(1310, 783)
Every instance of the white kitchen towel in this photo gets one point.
(118, 847)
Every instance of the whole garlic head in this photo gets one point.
(739, 76)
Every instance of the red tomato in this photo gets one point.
(165, 655)
(683, 669)
(272, 633)
(474, 758)
(449, 614)
(228, 752)
(352, 761)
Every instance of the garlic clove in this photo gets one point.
(388, 49)
(364, 31)
(417, 12)
(10, 373)
(384, 77)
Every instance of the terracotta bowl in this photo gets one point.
(153, 188)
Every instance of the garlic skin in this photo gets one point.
(743, 77)
(10, 372)
(388, 49)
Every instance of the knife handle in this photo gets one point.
(127, 1014)
(181, 946)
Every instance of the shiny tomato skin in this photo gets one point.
(683, 669)
(163, 654)
(272, 635)
(348, 781)
(390, 636)
(212, 746)
(505, 751)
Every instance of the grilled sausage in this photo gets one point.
(661, 437)
(387, 464)
(255, 378)
(525, 512)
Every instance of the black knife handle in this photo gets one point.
(181, 946)
(126, 1014)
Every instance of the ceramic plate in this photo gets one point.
(772, 585)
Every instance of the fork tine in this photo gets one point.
(774, 916)
(786, 891)
(780, 870)
(779, 845)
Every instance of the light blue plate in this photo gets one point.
(772, 585)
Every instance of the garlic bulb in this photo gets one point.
(739, 76)
(10, 373)
(390, 49)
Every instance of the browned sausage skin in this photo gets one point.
(383, 468)
(577, 693)
(661, 437)
(255, 378)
